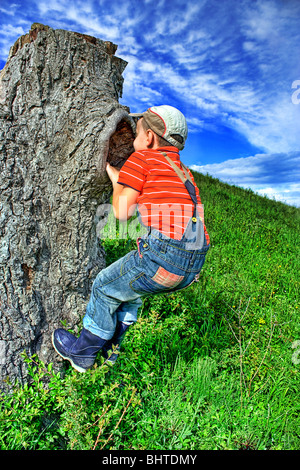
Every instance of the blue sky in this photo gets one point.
(232, 67)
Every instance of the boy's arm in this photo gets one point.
(124, 197)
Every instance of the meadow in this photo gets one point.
(212, 367)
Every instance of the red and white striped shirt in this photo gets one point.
(164, 202)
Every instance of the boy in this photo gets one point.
(168, 258)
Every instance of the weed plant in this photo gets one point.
(215, 366)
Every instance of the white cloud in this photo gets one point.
(275, 175)
(10, 10)
(225, 63)
(252, 92)
(50, 5)
(8, 35)
(195, 124)
(205, 67)
(10, 30)
(290, 195)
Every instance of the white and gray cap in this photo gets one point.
(167, 122)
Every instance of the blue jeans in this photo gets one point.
(160, 264)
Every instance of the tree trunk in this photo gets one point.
(60, 121)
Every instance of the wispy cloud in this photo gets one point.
(276, 175)
(230, 71)
(227, 65)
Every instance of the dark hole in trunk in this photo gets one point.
(121, 144)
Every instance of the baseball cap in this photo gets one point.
(167, 122)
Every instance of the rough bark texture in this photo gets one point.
(60, 120)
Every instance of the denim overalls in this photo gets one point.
(160, 264)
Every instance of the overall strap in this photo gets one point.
(182, 175)
(187, 181)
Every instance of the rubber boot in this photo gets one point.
(111, 348)
(81, 352)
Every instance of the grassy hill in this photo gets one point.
(215, 366)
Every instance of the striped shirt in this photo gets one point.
(164, 202)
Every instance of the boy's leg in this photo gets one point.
(126, 316)
(112, 347)
(111, 299)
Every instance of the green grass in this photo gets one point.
(215, 366)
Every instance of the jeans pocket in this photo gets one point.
(162, 281)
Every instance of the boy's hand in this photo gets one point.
(124, 197)
(113, 173)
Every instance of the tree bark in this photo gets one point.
(60, 121)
